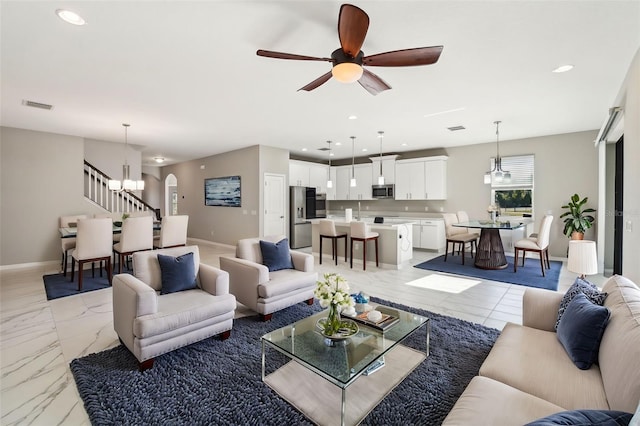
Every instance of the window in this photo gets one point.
(515, 197)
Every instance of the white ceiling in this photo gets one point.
(186, 77)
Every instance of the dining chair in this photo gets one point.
(328, 230)
(136, 235)
(457, 235)
(360, 232)
(93, 244)
(173, 232)
(68, 244)
(539, 244)
(464, 217)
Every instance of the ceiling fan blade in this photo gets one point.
(353, 24)
(280, 55)
(372, 83)
(405, 58)
(317, 82)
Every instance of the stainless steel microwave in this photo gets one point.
(383, 191)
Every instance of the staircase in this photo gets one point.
(96, 189)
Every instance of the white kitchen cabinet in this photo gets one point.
(331, 192)
(318, 177)
(343, 176)
(435, 174)
(429, 234)
(410, 180)
(421, 178)
(298, 173)
(388, 169)
(362, 190)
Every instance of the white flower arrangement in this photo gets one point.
(334, 290)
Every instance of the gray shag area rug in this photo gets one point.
(216, 382)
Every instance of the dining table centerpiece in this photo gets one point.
(333, 293)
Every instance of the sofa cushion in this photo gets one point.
(276, 256)
(584, 418)
(286, 281)
(178, 273)
(180, 309)
(580, 286)
(581, 329)
(535, 362)
(619, 357)
(487, 402)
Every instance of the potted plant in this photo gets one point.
(576, 218)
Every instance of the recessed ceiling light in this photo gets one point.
(331, 154)
(364, 149)
(338, 143)
(304, 149)
(563, 68)
(70, 17)
(353, 117)
(404, 144)
(158, 159)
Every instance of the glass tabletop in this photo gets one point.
(343, 361)
(489, 224)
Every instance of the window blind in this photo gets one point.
(521, 168)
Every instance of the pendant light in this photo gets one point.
(329, 182)
(353, 173)
(496, 174)
(381, 177)
(126, 184)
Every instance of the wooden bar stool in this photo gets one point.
(328, 230)
(360, 232)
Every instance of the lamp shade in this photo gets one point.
(583, 258)
(347, 72)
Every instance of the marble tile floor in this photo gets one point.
(39, 338)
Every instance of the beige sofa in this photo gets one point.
(150, 324)
(263, 291)
(528, 374)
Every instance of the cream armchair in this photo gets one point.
(150, 324)
(266, 292)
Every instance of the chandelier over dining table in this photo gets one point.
(496, 174)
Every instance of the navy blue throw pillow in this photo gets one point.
(580, 285)
(581, 329)
(585, 417)
(178, 273)
(276, 256)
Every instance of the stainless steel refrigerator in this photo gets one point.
(302, 208)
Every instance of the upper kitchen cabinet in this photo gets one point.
(343, 176)
(388, 169)
(362, 190)
(421, 178)
(298, 173)
(302, 173)
(331, 192)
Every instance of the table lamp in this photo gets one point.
(583, 258)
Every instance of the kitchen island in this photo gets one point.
(395, 247)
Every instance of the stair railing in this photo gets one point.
(96, 189)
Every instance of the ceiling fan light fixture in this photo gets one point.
(347, 72)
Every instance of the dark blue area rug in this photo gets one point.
(530, 275)
(57, 285)
(216, 382)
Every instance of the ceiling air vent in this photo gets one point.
(36, 104)
(454, 128)
(323, 149)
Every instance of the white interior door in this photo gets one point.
(274, 204)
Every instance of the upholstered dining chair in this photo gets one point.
(360, 232)
(458, 236)
(68, 244)
(327, 229)
(173, 232)
(464, 217)
(93, 244)
(136, 235)
(539, 244)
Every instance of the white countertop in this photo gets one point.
(388, 223)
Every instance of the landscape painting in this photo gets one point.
(222, 191)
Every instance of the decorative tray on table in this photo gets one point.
(382, 324)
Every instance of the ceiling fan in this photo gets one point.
(348, 60)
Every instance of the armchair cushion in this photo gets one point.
(580, 286)
(276, 256)
(581, 330)
(178, 273)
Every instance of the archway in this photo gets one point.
(170, 195)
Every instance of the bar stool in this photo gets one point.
(360, 232)
(328, 230)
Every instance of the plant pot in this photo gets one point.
(575, 235)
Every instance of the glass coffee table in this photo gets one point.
(342, 363)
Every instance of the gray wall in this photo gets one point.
(226, 224)
(564, 165)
